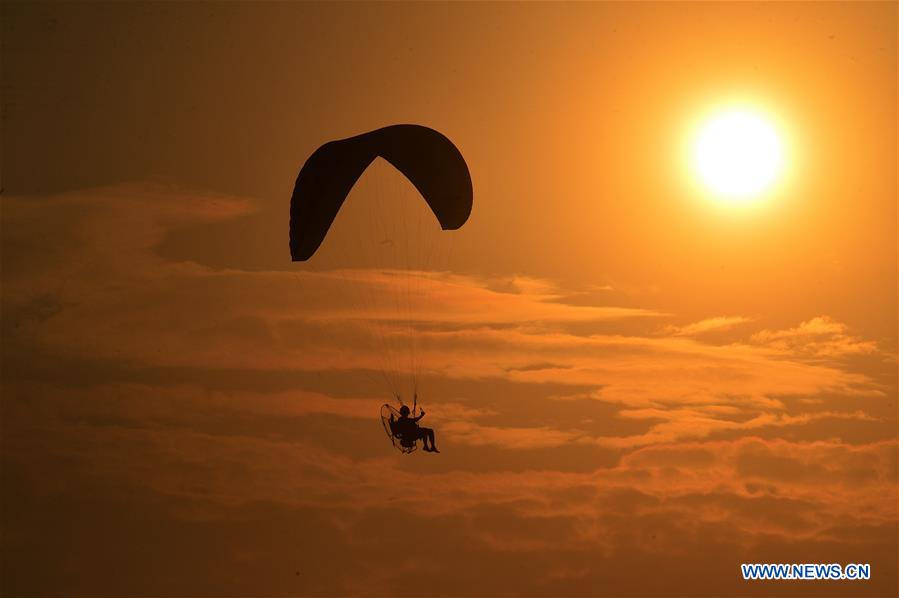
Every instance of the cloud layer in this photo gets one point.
(171, 428)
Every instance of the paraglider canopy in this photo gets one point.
(427, 158)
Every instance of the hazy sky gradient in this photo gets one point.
(635, 389)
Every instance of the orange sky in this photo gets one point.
(635, 388)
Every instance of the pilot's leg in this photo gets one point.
(423, 436)
(428, 435)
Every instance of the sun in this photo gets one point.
(738, 154)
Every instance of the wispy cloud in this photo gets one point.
(820, 336)
(716, 324)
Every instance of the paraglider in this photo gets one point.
(428, 159)
(403, 430)
(437, 170)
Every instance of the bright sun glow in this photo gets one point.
(738, 154)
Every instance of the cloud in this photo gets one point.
(820, 336)
(716, 324)
(679, 424)
(121, 302)
(221, 424)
